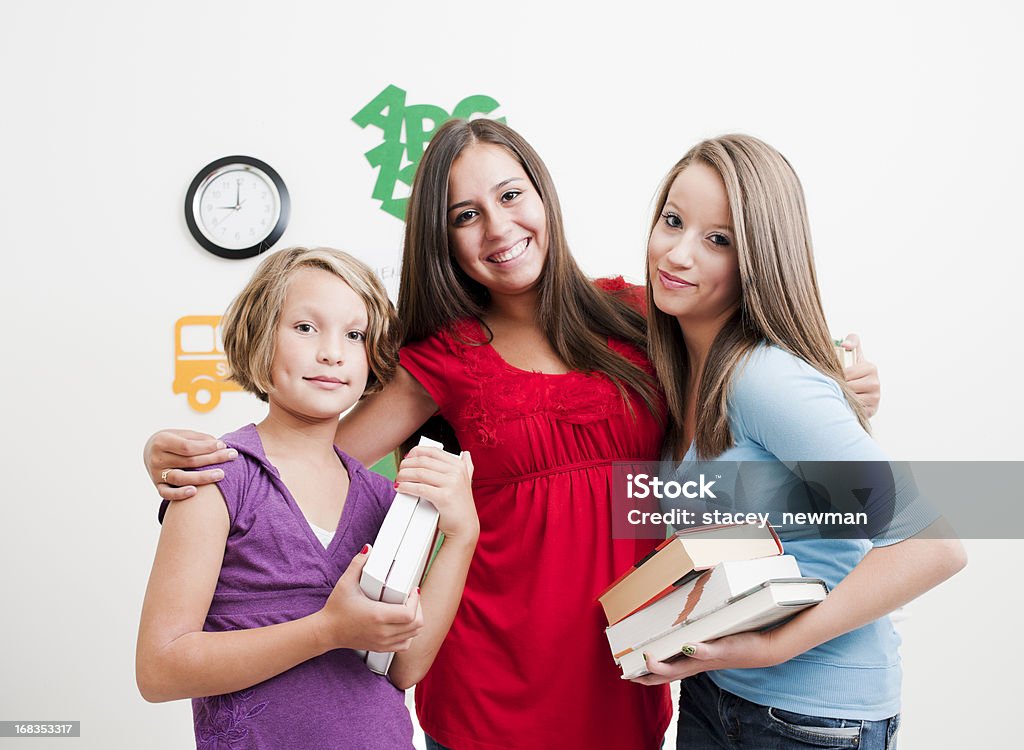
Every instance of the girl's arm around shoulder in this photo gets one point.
(176, 658)
(179, 460)
(862, 376)
(446, 481)
(380, 422)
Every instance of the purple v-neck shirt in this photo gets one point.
(276, 570)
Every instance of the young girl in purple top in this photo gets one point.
(253, 607)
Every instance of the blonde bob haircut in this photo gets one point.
(779, 299)
(250, 323)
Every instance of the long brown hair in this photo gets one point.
(576, 317)
(779, 303)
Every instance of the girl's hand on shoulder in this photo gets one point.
(740, 651)
(169, 453)
(862, 377)
(350, 619)
(447, 482)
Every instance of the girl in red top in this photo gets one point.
(542, 374)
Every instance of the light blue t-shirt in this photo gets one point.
(783, 410)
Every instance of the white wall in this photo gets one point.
(902, 120)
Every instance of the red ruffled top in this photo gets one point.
(526, 663)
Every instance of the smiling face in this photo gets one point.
(691, 253)
(320, 366)
(497, 229)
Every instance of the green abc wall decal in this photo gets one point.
(396, 159)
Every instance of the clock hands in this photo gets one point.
(238, 203)
(234, 207)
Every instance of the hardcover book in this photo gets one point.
(685, 554)
(399, 556)
(767, 604)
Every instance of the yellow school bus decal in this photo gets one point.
(200, 367)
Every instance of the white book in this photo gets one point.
(399, 556)
(412, 555)
(765, 605)
(696, 597)
(389, 539)
(407, 570)
(385, 546)
(379, 661)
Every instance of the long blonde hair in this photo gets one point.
(779, 301)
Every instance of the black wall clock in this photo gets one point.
(237, 207)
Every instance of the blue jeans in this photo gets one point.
(712, 719)
(432, 745)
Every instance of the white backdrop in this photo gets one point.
(902, 120)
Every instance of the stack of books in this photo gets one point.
(702, 584)
(399, 556)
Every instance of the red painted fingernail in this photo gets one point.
(366, 548)
(417, 591)
(396, 484)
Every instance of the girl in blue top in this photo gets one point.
(738, 336)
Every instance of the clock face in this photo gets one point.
(237, 207)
